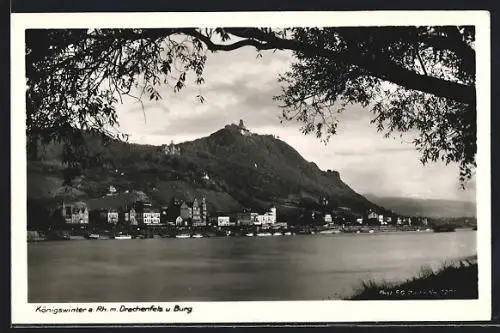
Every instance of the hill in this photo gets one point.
(426, 207)
(232, 168)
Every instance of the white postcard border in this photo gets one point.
(250, 312)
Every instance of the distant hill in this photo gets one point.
(426, 207)
(232, 168)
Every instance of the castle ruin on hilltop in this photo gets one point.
(243, 129)
(171, 149)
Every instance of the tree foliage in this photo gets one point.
(420, 70)
(414, 79)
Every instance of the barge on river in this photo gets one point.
(444, 228)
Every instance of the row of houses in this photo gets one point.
(372, 217)
(394, 219)
(345, 215)
(114, 210)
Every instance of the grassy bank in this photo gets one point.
(453, 280)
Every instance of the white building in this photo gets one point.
(381, 219)
(179, 221)
(268, 217)
(224, 221)
(112, 216)
(359, 220)
(272, 215)
(328, 218)
(151, 216)
(155, 217)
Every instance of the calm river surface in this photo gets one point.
(302, 267)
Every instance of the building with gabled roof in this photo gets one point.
(75, 212)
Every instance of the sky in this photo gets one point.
(240, 85)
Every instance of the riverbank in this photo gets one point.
(146, 232)
(454, 280)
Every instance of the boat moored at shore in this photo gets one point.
(329, 231)
(155, 232)
(122, 236)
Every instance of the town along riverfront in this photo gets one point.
(332, 241)
(113, 217)
(299, 267)
(224, 226)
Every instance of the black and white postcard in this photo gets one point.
(250, 167)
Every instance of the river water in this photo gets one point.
(301, 267)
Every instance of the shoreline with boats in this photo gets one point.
(54, 235)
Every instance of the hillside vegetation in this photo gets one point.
(244, 170)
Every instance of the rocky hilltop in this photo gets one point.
(233, 168)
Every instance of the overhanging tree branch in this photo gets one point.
(226, 47)
(376, 66)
